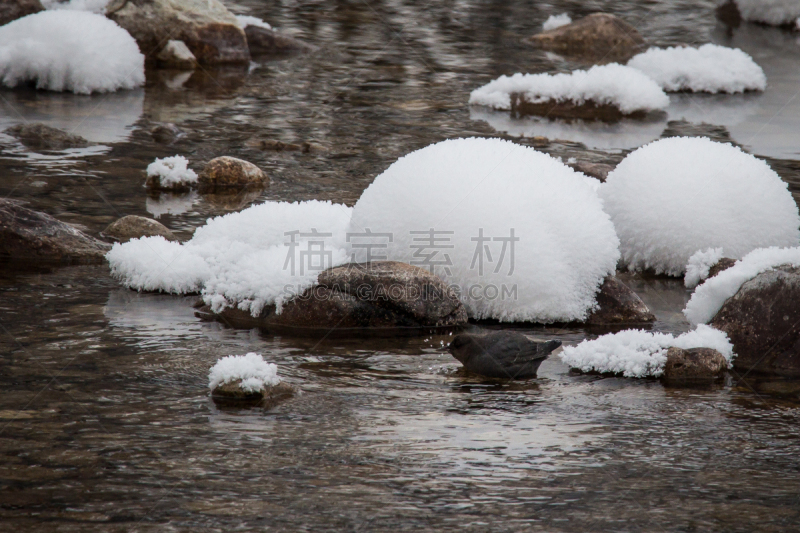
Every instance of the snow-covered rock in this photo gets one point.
(710, 68)
(170, 173)
(773, 12)
(253, 371)
(679, 195)
(452, 207)
(72, 51)
(556, 21)
(637, 353)
(622, 88)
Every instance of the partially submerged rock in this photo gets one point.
(208, 29)
(521, 106)
(11, 10)
(501, 354)
(41, 136)
(229, 173)
(381, 298)
(600, 38)
(31, 237)
(232, 393)
(762, 321)
(618, 304)
(177, 55)
(267, 41)
(695, 365)
(134, 227)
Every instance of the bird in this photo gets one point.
(501, 354)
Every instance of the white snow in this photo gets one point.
(624, 87)
(252, 369)
(699, 265)
(774, 12)
(566, 244)
(709, 68)
(240, 258)
(675, 196)
(636, 353)
(73, 51)
(95, 6)
(172, 171)
(709, 297)
(246, 20)
(556, 21)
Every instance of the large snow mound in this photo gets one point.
(259, 256)
(675, 196)
(73, 51)
(556, 21)
(774, 12)
(451, 207)
(710, 68)
(252, 369)
(624, 87)
(636, 353)
(709, 297)
(172, 171)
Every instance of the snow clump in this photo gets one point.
(253, 371)
(246, 20)
(709, 297)
(675, 196)
(773, 12)
(73, 51)
(699, 265)
(172, 172)
(556, 21)
(260, 256)
(710, 68)
(623, 87)
(454, 208)
(637, 354)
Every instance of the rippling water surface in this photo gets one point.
(105, 419)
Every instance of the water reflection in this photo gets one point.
(167, 203)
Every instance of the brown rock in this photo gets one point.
(762, 321)
(177, 55)
(31, 237)
(723, 264)
(11, 10)
(40, 136)
(263, 41)
(600, 38)
(134, 227)
(595, 170)
(521, 107)
(382, 297)
(232, 393)
(229, 173)
(693, 365)
(208, 29)
(618, 304)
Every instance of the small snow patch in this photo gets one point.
(172, 171)
(254, 372)
(556, 21)
(699, 265)
(246, 20)
(636, 353)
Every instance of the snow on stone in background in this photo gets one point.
(774, 12)
(675, 196)
(246, 20)
(72, 51)
(637, 354)
(252, 369)
(624, 87)
(556, 21)
(710, 68)
(709, 297)
(699, 265)
(566, 246)
(172, 171)
(239, 258)
(95, 6)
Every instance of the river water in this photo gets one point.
(105, 418)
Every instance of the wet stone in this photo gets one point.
(177, 55)
(233, 394)
(134, 227)
(694, 365)
(618, 304)
(229, 173)
(599, 171)
(166, 133)
(41, 136)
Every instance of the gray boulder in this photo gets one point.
(43, 137)
(696, 365)
(618, 304)
(11, 10)
(134, 227)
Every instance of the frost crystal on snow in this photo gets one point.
(556, 21)
(73, 51)
(254, 372)
(699, 265)
(710, 68)
(172, 171)
(624, 87)
(636, 353)
(709, 297)
(675, 196)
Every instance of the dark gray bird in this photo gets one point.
(501, 354)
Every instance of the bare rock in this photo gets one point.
(521, 106)
(134, 227)
(232, 393)
(40, 136)
(618, 304)
(269, 42)
(723, 264)
(229, 173)
(208, 29)
(762, 321)
(11, 10)
(31, 237)
(177, 55)
(694, 365)
(595, 170)
(600, 38)
(166, 133)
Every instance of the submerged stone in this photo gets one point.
(41, 136)
(267, 41)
